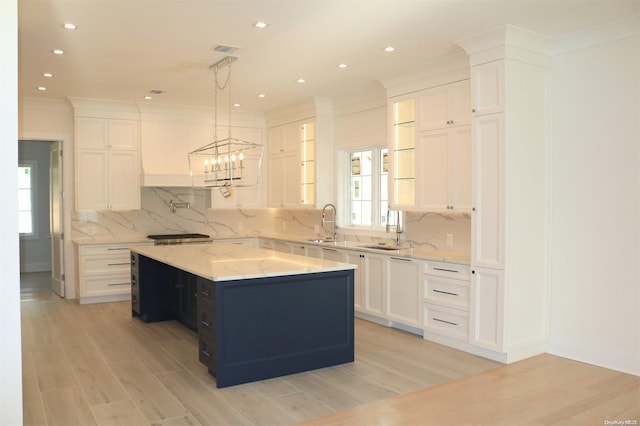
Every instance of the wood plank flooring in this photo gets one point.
(95, 365)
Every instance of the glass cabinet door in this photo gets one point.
(308, 163)
(404, 153)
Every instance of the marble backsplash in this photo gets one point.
(428, 230)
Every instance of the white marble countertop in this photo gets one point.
(417, 252)
(228, 262)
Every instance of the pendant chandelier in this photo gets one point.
(226, 161)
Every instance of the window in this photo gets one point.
(367, 198)
(26, 188)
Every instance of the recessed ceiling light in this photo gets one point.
(260, 24)
(342, 66)
(69, 26)
(147, 97)
(301, 80)
(58, 52)
(42, 88)
(236, 105)
(48, 74)
(262, 95)
(389, 49)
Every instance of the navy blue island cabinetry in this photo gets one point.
(259, 327)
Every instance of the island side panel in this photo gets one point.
(270, 327)
(149, 289)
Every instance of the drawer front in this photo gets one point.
(100, 265)
(207, 354)
(206, 319)
(449, 270)
(206, 291)
(105, 285)
(446, 292)
(104, 250)
(446, 321)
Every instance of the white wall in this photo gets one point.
(595, 275)
(10, 355)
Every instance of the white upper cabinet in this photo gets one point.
(107, 164)
(430, 149)
(487, 88)
(444, 106)
(300, 158)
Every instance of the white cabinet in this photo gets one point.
(444, 106)
(446, 300)
(104, 272)
(403, 290)
(375, 297)
(510, 193)
(430, 149)
(359, 277)
(291, 165)
(444, 177)
(487, 304)
(107, 167)
(487, 88)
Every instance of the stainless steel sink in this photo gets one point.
(382, 247)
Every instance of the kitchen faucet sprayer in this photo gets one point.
(397, 226)
(334, 221)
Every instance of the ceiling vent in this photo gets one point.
(157, 91)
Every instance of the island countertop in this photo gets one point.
(228, 262)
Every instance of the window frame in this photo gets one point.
(33, 165)
(376, 153)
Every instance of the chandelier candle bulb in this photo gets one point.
(206, 166)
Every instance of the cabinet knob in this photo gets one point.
(473, 272)
(473, 110)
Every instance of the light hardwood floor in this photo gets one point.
(94, 364)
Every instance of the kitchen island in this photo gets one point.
(259, 314)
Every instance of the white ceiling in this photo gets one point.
(124, 48)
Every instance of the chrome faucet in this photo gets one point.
(334, 221)
(397, 226)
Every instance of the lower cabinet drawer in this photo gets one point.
(446, 291)
(105, 285)
(99, 265)
(446, 321)
(207, 354)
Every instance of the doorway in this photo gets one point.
(41, 214)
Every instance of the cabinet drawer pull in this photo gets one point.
(446, 292)
(205, 293)
(328, 249)
(206, 324)
(446, 322)
(446, 270)
(401, 258)
(118, 248)
(207, 354)
(118, 264)
(114, 284)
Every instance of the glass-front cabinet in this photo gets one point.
(308, 164)
(403, 154)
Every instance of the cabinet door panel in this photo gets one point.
(487, 88)
(91, 180)
(460, 168)
(486, 308)
(403, 295)
(434, 108)
(91, 133)
(124, 180)
(375, 285)
(434, 169)
(122, 134)
(487, 248)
